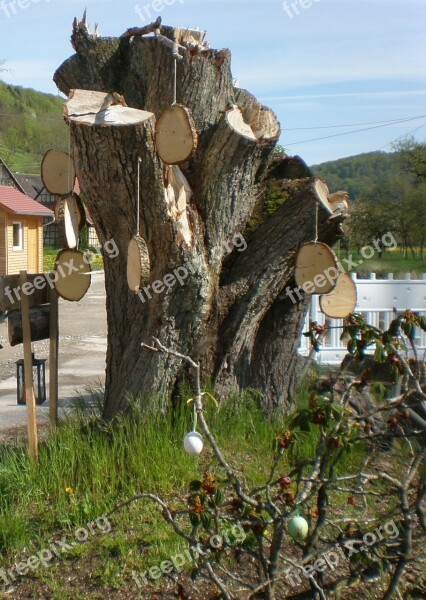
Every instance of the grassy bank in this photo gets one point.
(88, 467)
(391, 262)
(50, 254)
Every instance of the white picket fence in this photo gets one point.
(377, 299)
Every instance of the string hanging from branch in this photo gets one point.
(316, 263)
(176, 138)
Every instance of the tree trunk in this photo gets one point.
(216, 238)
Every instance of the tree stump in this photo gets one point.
(227, 306)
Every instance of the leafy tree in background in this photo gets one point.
(370, 217)
(417, 207)
(414, 157)
(398, 207)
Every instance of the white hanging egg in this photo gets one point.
(298, 528)
(193, 443)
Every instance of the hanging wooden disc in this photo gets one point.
(342, 300)
(68, 219)
(73, 275)
(316, 264)
(57, 172)
(81, 214)
(175, 135)
(138, 267)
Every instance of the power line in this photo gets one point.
(390, 121)
(402, 136)
(355, 131)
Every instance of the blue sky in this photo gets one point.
(318, 64)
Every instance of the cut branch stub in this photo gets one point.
(316, 268)
(98, 108)
(342, 300)
(138, 267)
(82, 102)
(254, 123)
(262, 120)
(57, 173)
(175, 135)
(235, 120)
(73, 275)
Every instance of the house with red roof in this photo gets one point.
(21, 231)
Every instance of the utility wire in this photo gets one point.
(402, 136)
(326, 137)
(390, 121)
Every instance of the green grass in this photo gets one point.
(50, 254)
(391, 262)
(106, 464)
(139, 452)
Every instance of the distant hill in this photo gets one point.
(30, 123)
(358, 173)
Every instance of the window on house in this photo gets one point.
(17, 236)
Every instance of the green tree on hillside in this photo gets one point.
(413, 154)
(397, 207)
(31, 123)
(370, 217)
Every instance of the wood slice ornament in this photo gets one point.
(175, 135)
(138, 265)
(342, 300)
(81, 214)
(69, 213)
(58, 173)
(73, 275)
(316, 268)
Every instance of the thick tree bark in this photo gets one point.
(232, 312)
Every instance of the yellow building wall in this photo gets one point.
(40, 245)
(13, 261)
(3, 252)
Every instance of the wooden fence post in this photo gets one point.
(28, 370)
(53, 359)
